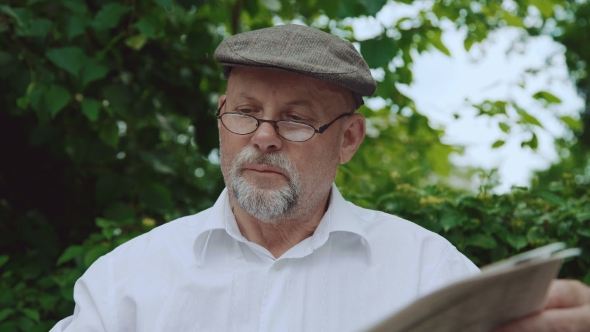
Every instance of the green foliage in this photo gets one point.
(488, 227)
(575, 152)
(107, 128)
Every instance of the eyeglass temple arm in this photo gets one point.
(219, 109)
(324, 127)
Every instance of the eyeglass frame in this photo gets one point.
(320, 130)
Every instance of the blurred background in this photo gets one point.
(476, 132)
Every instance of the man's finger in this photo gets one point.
(567, 294)
(554, 320)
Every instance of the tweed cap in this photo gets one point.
(301, 50)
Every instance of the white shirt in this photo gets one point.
(198, 273)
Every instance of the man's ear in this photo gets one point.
(353, 134)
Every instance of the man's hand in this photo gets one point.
(567, 309)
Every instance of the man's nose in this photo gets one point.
(267, 138)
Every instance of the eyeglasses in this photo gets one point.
(244, 124)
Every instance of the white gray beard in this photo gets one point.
(266, 205)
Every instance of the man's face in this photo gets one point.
(270, 177)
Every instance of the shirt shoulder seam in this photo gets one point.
(443, 261)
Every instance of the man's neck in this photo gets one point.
(283, 235)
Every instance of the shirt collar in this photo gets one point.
(338, 218)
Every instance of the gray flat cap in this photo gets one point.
(302, 50)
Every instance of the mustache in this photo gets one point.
(274, 159)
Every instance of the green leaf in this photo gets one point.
(512, 20)
(136, 42)
(49, 101)
(76, 25)
(386, 88)
(22, 102)
(583, 216)
(533, 143)
(584, 232)
(450, 221)
(109, 16)
(550, 197)
(378, 52)
(468, 43)
(330, 7)
(504, 127)
(75, 6)
(516, 241)
(151, 26)
(498, 144)
(69, 254)
(93, 71)
(56, 99)
(435, 38)
(373, 6)
(107, 227)
(70, 59)
(573, 124)
(20, 15)
(252, 7)
(351, 8)
(93, 254)
(39, 27)
(91, 108)
(528, 119)
(37, 102)
(544, 6)
(67, 293)
(110, 134)
(103, 223)
(5, 313)
(48, 301)
(272, 5)
(156, 197)
(3, 259)
(491, 108)
(481, 240)
(547, 97)
(32, 314)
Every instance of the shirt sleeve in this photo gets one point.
(95, 307)
(453, 266)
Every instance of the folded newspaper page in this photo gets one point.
(504, 291)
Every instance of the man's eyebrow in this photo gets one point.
(245, 95)
(300, 102)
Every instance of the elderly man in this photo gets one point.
(280, 250)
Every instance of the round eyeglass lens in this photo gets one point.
(239, 124)
(294, 131)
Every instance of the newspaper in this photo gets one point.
(504, 291)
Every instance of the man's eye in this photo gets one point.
(295, 118)
(245, 110)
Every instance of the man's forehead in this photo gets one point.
(296, 101)
(259, 85)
